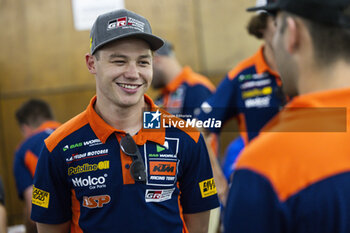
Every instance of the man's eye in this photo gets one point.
(118, 61)
(145, 62)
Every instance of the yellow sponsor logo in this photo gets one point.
(207, 187)
(90, 42)
(87, 167)
(257, 92)
(40, 197)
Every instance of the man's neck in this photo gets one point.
(127, 119)
(315, 79)
(174, 71)
(269, 57)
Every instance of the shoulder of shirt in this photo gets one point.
(198, 79)
(242, 66)
(190, 131)
(66, 129)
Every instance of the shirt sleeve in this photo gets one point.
(198, 190)
(51, 201)
(253, 205)
(22, 175)
(222, 104)
(194, 97)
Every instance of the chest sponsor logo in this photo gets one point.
(87, 167)
(207, 188)
(245, 77)
(163, 168)
(40, 197)
(93, 142)
(90, 154)
(258, 83)
(90, 181)
(257, 92)
(258, 102)
(96, 201)
(167, 151)
(156, 195)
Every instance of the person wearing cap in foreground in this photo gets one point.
(182, 90)
(102, 171)
(295, 177)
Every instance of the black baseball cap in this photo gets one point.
(332, 12)
(120, 24)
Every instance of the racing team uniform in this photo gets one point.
(185, 93)
(251, 92)
(83, 176)
(295, 177)
(26, 156)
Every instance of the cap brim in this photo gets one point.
(154, 42)
(272, 7)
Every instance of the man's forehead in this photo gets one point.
(135, 47)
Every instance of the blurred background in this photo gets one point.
(42, 56)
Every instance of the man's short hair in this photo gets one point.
(34, 112)
(330, 42)
(257, 24)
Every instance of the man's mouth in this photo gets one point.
(129, 86)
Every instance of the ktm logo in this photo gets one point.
(163, 168)
(96, 201)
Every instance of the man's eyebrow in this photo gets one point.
(145, 56)
(114, 55)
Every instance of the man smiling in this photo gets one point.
(101, 171)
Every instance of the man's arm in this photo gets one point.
(219, 177)
(3, 219)
(30, 225)
(53, 228)
(198, 222)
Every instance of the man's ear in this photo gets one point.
(293, 35)
(90, 63)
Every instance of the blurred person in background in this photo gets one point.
(251, 93)
(3, 214)
(295, 176)
(36, 121)
(181, 90)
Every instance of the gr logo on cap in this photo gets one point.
(121, 24)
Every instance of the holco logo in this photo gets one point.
(163, 168)
(89, 181)
(96, 201)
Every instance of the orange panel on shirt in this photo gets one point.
(30, 160)
(286, 157)
(75, 228)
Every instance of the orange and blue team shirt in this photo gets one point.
(26, 156)
(83, 176)
(295, 177)
(185, 93)
(251, 92)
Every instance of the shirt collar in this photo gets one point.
(104, 130)
(178, 80)
(48, 125)
(261, 65)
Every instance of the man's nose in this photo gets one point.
(132, 71)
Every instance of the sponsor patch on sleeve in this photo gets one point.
(40, 197)
(207, 187)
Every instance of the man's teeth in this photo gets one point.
(128, 86)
